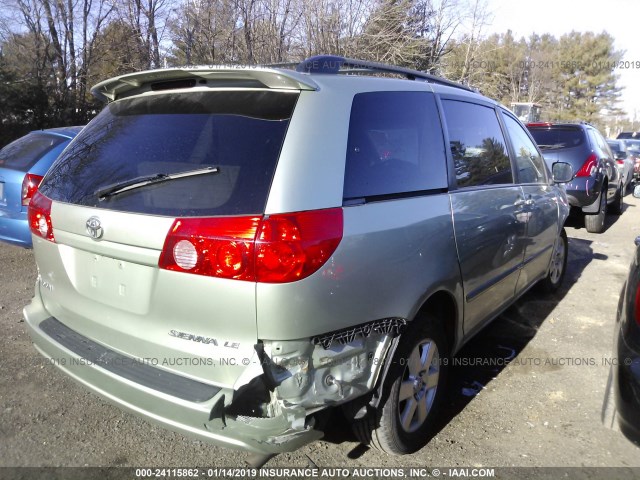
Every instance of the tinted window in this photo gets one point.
(549, 138)
(239, 133)
(632, 145)
(395, 145)
(477, 144)
(531, 167)
(23, 153)
(615, 146)
(600, 143)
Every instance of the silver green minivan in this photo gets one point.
(229, 251)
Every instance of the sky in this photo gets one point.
(619, 18)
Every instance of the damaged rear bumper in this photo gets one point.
(268, 411)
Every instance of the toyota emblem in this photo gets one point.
(94, 228)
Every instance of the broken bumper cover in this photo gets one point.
(182, 410)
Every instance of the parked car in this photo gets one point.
(624, 381)
(628, 135)
(633, 152)
(626, 163)
(23, 163)
(597, 183)
(231, 251)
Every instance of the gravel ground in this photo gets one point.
(540, 409)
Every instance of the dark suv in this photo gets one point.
(597, 182)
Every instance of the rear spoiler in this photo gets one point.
(205, 76)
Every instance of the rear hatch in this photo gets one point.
(564, 143)
(16, 159)
(148, 171)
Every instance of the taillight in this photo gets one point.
(271, 249)
(215, 247)
(619, 161)
(588, 167)
(29, 187)
(291, 247)
(40, 216)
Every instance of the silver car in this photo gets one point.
(623, 160)
(230, 251)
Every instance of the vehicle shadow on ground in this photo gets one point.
(488, 353)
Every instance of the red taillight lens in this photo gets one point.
(40, 216)
(588, 167)
(216, 247)
(620, 161)
(293, 246)
(29, 187)
(273, 249)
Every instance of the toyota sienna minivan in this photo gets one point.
(229, 252)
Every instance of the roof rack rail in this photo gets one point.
(333, 64)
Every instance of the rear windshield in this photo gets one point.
(23, 153)
(616, 147)
(633, 145)
(557, 137)
(237, 135)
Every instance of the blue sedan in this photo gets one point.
(23, 164)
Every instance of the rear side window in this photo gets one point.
(477, 144)
(23, 153)
(239, 134)
(395, 145)
(599, 143)
(549, 138)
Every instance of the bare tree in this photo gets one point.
(148, 19)
(206, 32)
(476, 19)
(386, 36)
(64, 34)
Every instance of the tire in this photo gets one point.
(411, 394)
(558, 266)
(617, 205)
(594, 223)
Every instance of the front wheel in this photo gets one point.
(411, 393)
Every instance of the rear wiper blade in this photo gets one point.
(127, 185)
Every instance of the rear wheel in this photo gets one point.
(558, 265)
(594, 223)
(616, 206)
(411, 394)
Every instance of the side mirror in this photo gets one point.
(636, 191)
(561, 172)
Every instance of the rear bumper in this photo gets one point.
(14, 228)
(583, 191)
(204, 420)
